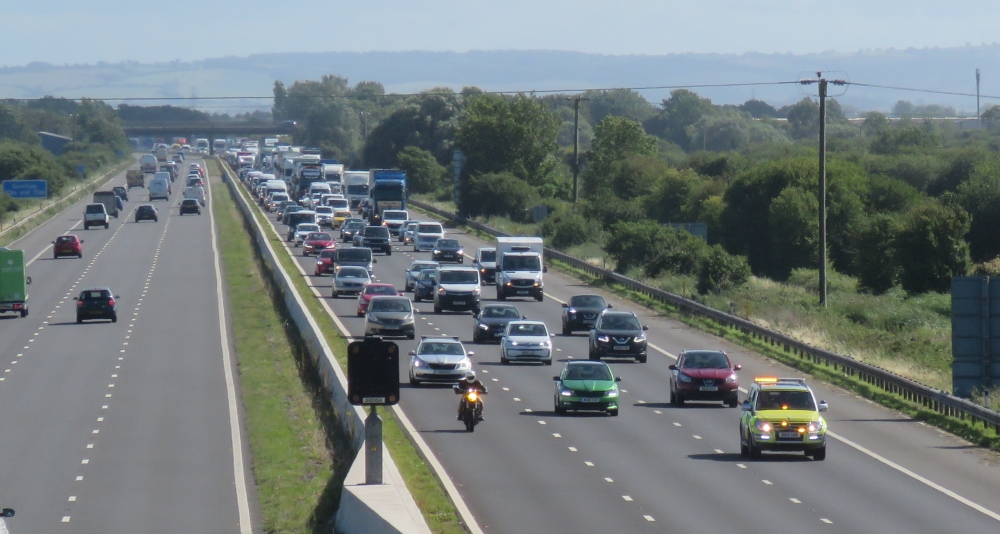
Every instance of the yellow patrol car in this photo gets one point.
(781, 414)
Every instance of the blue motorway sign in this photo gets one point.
(26, 188)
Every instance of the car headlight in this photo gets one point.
(763, 426)
(512, 343)
(374, 318)
(731, 379)
(465, 364)
(545, 344)
(816, 426)
(611, 393)
(683, 377)
(483, 326)
(566, 392)
(603, 338)
(640, 338)
(441, 291)
(417, 362)
(319, 263)
(436, 251)
(460, 252)
(571, 311)
(476, 291)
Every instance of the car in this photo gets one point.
(324, 261)
(279, 209)
(195, 167)
(375, 238)
(425, 284)
(317, 241)
(288, 211)
(146, 212)
(324, 216)
(491, 321)
(526, 340)
(439, 359)
(781, 414)
(394, 219)
(426, 236)
(586, 386)
(413, 271)
(581, 312)
(302, 231)
(96, 303)
(457, 288)
(178, 158)
(350, 228)
(356, 257)
(67, 245)
(486, 262)
(339, 216)
(618, 334)
(349, 280)
(121, 191)
(95, 215)
(390, 316)
(371, 290)
(407, 232)
(272, 202)
(190, 205)
(704, 375)
(195, 180)
(449, 250)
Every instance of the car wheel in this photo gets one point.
(501, 295)
(752, 450)
(416, 296)
(733, 401)
(679, 399)
(411, 336)
(641, 359)
(567, 331)
(613, 412)
(744, 450)
(55, 256)
(80, 255)
(559, 410)
(503, 358)
(360, 313)
(819, 454)
(414, 382)
(114, 318)
(593, 356)
(388, 252)
(437, 309)
(156, 219)
(79, 320)
(548, 362)
(475, 336)
(106, 226)
(540, 297)
(336, 294)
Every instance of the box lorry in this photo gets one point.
(520, 267)
(356, 186)
(110, 201)
(148, 163)
(135, 178)
(13, 282)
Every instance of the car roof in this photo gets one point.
(527, 322)
(457, 268)
(782, 384)
(441, 339)
(583, 363)
(621, 313)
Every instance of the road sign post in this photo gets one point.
(373, 380)
(373, 447)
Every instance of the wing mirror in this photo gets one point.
(737, 367)
(823, 406)
(564, 304)
(545, 268)
(27, 280)
(556, 378)
(374, 260)
(618, 379)
(472, 353)
(745, 406)
(645, 327)
(672, 367)
(412, 353)
(7, 512)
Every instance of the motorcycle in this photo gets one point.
(7, 512)
(471, 407)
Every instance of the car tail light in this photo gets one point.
(111, 302)
(79, 304)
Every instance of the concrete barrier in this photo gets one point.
(384, 508)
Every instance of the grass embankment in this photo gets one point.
(909, 335)
(427, 491)
(54, 207)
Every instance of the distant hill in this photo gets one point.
(944, 69)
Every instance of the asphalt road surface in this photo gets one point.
(657, 468)
(122, 427)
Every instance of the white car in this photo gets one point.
(349, 280)
(303, 230)
(526, 341)
(439, 359)
(324, 214)
(427, 235)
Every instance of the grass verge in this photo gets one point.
(423, 484)
(299, 456)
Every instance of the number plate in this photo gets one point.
(788, 434)
(621, 347)
(522, 291)
(709, 388)
(589, 399)
(459, 303)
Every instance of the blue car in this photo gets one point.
(423, 288)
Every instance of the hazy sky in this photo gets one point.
(65, 32)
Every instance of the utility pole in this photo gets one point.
(576, 145)
(979, 119)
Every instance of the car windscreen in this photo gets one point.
(394, 215)
(459, 277)
(616, 322)
(307, 227)
(488, 256)
(95, 295)
(319, 236)
(586, 301)
(515, 329)
(785, 400)
(376, 231)
(440, 348)
(705, 360)
(327, 253)
(521, 263)
(95, 209)
(429, 228)
(417, 267)
(380, 290)
(426, 274)
(346, 272)
(447, 243)
(588, 372)
(65, 239)
(325, 210)
(501, 313)
(354, 254)
(389, 305)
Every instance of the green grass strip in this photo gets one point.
(427, 491)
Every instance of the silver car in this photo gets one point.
(413, 272)
(439, 359)
(427, 235)
(303, 230)
(409, 232)
(324, 214)
(349, 280)
(390, 316)
(526, 341)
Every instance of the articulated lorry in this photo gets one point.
(520, 267)
(388, 192)
(13, 282)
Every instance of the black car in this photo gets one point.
(96, 303)
(350, 228)
(146, 212)
(492, 321)
(581, 312)
(190, 205)
(121, 192)
(375, 238)
(618, 335)
(448, 249)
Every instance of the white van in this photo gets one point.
(159, 188)
(274, 186)
(322, 188)
(196, 192)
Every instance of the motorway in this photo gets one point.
(123, 427)
(657, 468)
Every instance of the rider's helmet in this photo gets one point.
(470, 376)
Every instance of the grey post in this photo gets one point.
(822, 192)
(373, 447)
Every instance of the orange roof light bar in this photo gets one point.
(766, 379)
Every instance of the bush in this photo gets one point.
(566, 229)
(501, 194)
(987, 268)
(721, 271)
(680, 253)
(633, 244)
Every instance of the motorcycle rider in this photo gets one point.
(470, 382)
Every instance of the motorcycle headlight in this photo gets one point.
(683, 377)
(731, 379)
(566, 392)
(763, 426)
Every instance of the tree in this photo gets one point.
(615, 140)
(980, 197)
(908, 139)
(991, 118)
(803, 119)
(427, 121)
(931, 247)
(758, 109)
(681, 110)
(633, 244)
(875, 262)
(423, 173)
(516, 135)
(874, 123)
(720, 271)
(13, 127)
(618, 102)
(96, 122)
(501, 194)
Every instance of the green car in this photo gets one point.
(586, 385)
(781, 414)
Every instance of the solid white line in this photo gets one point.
(242, 500)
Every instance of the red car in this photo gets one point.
(67, 245)
(372, 290)
(324, 262)
(704, 375)
(317, 241)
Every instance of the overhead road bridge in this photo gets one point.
(212, 131)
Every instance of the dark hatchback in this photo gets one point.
(146, 213)
(448, 250)
(96, 303)
(375, 238)
(581, 312)
(121, 192)
(190, 205)
(492, 321)
(618, 335)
